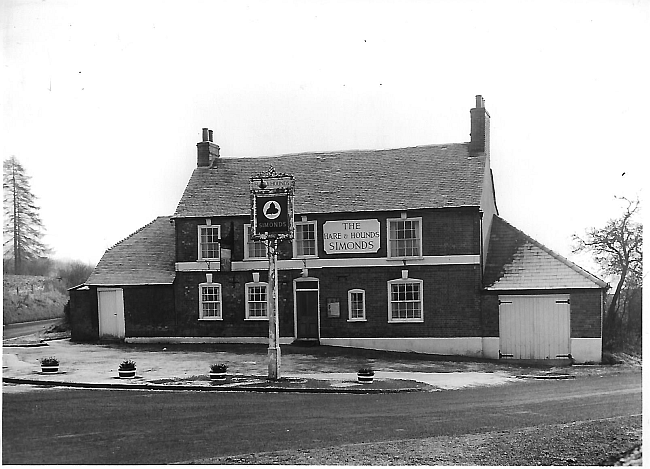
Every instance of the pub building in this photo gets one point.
(397, 249)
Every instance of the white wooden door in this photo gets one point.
(534, 327)
(110, 302)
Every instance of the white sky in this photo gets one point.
(103, 101)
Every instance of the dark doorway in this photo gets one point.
(307, 309)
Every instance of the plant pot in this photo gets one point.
(219, 376)
(365, 378)
(50, 369)
(126, 373)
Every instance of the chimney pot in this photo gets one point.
(207, 151)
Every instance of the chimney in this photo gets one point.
(480, 131)
(207, 151)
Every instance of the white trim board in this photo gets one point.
(317, 263)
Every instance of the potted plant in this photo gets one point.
(218, 372)
(127, 369)
(365, 375)
(49, 365)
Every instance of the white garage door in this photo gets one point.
(534, 327)
(110, 302)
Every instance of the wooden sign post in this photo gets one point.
(272, 221)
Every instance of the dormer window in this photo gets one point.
(209, 236)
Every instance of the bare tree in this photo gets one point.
(75, 273)
(23, 229)
(618, 250)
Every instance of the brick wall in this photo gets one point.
(585, 313)
(149, 311)
(451, 292)
(451, 301)
(445, 232)
(84, 320)
(233, 291)
(490, 315)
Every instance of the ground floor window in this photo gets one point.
(210, 301)
(256, 298)
(405, 300)
(356, 305)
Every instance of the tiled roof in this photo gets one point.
(145, 257)
(515, 261)
(433, 176)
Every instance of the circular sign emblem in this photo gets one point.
(271, 210)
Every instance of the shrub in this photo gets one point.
(127, 365)
(218, 368)
(49, 361)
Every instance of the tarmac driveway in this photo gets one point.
(301, 366)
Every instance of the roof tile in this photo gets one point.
(516, 261)
(145, 257)
(432, 176)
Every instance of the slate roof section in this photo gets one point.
(515, 261)
(144, 258)
(432, 176)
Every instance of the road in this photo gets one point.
(57, 426)
(10, 331)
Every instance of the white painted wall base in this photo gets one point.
(491, 348)
(204, 340)
(465, 346)
(587, 350)
(582, 350)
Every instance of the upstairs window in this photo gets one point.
(405, 237)
(209, 236)
(405, 300)
(356, 305)
(210, 301)
(253, 249)
(305, 240)
(256, 298)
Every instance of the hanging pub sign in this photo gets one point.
(272, 213)
(272, 205)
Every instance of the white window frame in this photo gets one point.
(218, 301)
(389, 240)
(403, 281)
(200, 253)
(248, 241)
(363, 303)
(295, 241)
(250, 285)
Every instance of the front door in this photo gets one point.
(306, 309)
(110, 303)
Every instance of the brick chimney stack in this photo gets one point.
(480, 130)
(207, 151)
